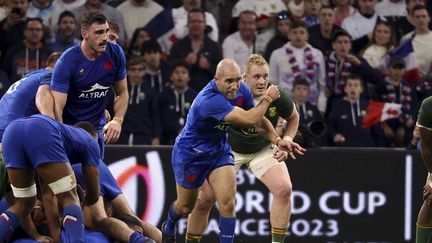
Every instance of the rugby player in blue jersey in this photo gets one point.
(81, 80)
(40, 143)
(201, 151)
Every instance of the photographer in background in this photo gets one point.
(311, 126)
(12, 27)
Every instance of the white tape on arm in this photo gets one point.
(64, 184)
(24, 192)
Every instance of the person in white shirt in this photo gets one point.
(298, 58)
(180, 20)
(363, 22)
(241, 44)
(258, 6)
(137, 13)
(391, 8)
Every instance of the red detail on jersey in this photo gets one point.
(108, 65)
(240, 101)
(191, 178)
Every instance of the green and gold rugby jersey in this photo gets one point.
(425, 114)
(247, 140)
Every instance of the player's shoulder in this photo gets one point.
(427, 103)
(71, 55)
(114, 49)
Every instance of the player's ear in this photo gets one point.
(84, 34)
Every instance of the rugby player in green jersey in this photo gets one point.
(263, 160)
(424, 219)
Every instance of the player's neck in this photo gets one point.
(88, 52)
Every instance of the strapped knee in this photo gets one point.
(64, 184)
(25, 192)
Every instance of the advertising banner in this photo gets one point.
(339, 195)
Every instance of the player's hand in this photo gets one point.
(291, 147)
(280, 155)
(352, 59)
(42, 238)
(273, 92)
(203, 62)
(112, 131)
(191, 58)
(37, 214)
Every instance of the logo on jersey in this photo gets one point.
(249, 130)
(82, 71)
(272, 111)
(108, 65)
(223, 126)
(95, 91)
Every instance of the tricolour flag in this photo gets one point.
(380, 111)
(405, 50)
(161, 28)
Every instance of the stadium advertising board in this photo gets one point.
(339, 195)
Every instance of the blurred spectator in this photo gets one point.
(28, 55)
(43, 9)
(361, 25)
(4, 83)
(343, 10)
(312, 10)
(395, 89)
(422, 39)
(157, 70)
(134, 47)
(383, 40)
(307, 111)
(346, 117)
(12, 28)
(320, 35)
(241, 44)
(114, 32)
(175, 102)
(109, 12)
(296, 7)
(296, 59)
(198, 50)
(268, 7)
(4, 9)
(391, 8)
(283, 22)
(341, 63)
(65, 35)
(142, 122)
(180, 16)
(60, 6)
(137, 13)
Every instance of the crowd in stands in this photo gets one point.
(329, 55)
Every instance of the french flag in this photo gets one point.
(405, 50)
(380, 111)
(161, 28)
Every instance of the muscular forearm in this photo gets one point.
(426, 153)
(45, 101)
(120, 105)
(256, 113)
(292, 125)
(267, 130)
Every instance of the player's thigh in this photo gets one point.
(186, 197)
(61, 169)
(262, 161)
(240, 160)
(223, 182)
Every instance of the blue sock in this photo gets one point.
(73, 223)
(136, 237)
(4, 205)
(8, 222)
(227, 228)
(170, 226)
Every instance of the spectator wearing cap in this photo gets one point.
(361, 24)
(298, 58)
(198, 50)
(320, 35)
(175, 102)
(65, 35)
(141, 124)
(241, 44)
(283, 23)
(181, 24)
(341, 63)
(395, 89)
(312, 10)
(157, 70)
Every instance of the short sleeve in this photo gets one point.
(121, 63)
(425, 114)
(248, 96)
(93, 153)
(61, 76)
(46, 79)
(216, 107)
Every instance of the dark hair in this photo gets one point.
(179, 63)
(92, 17)
(338, 33)
(65, 14)
(353, 76)
(247, 12)
(298, 24)
(88, 127)
(135, 60)
(134, 38)
(52, 59)
(326, 7)
(130, 220)
(150, 46)
(392, 41)
(114, 27)
(300, 81)
(35, 19)
(196, 10)
(417, 8)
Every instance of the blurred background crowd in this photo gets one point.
(334, 57)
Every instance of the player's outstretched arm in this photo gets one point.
(253, 116)
(59, 103)
(426, 147)
(292, 124)
(45, 101)
(112, 129)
